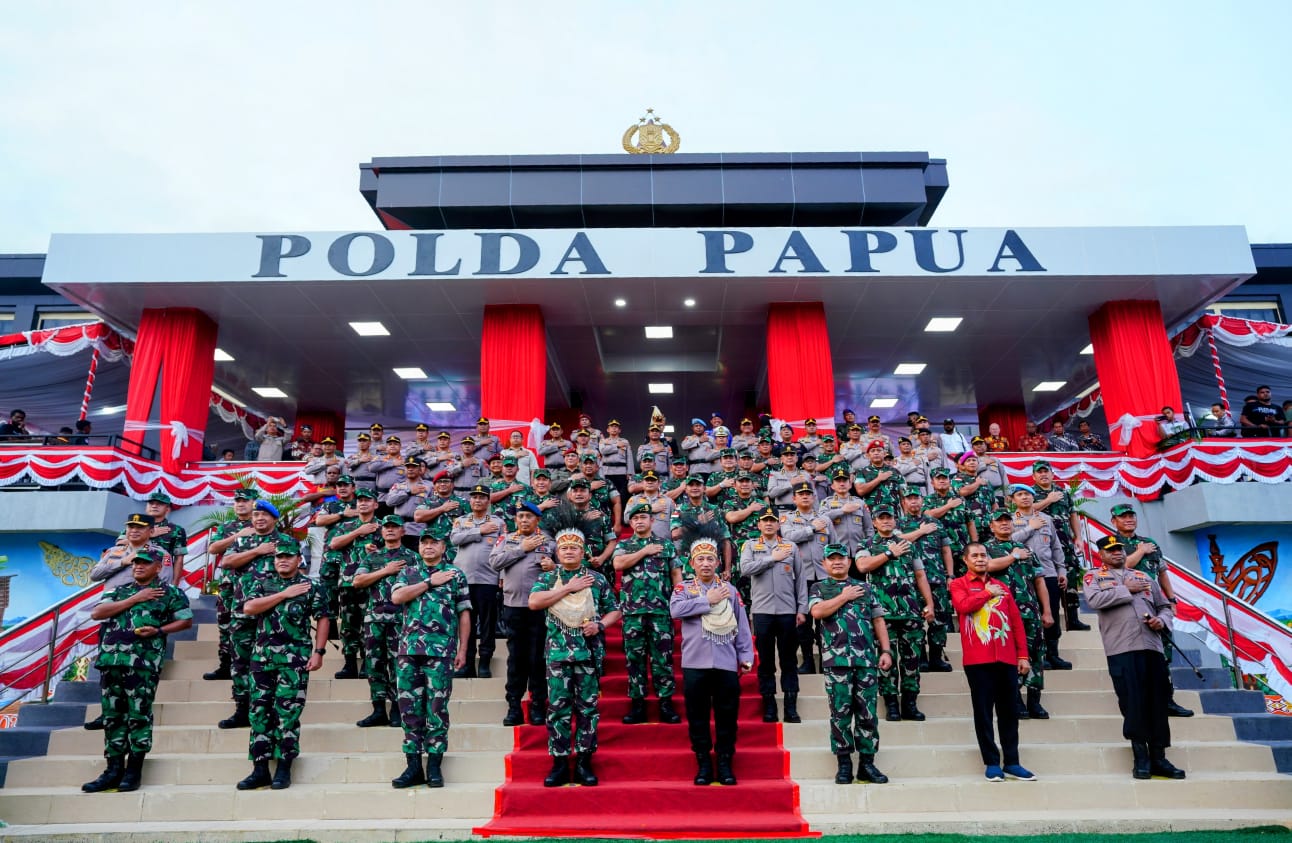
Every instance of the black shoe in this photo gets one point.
(937, 664)
(770, 714)
(134, 773)
(483, 671)
(703, 769)
(238, 720)
(95, 725)
(259, 777)
(1174, 709)
(1074, 623)
(893, 710)
(1165, 769)
(221, 672)
(463, 672)
(349, 671)
(843, 775)
(792, 709)
(1141, 767)
(378, 716)
(537, 712)
(514, 716)
(868, 772)
(1034, 710)
(583, 770)
(1056, 662)
(636, 713)
(412, 775)
(724, 774)
(283, 775)
(807, 668)
(560, 774)
(434, 776)
(668, 714)
(1020, 707)
(109, 779)
(396, 719)
(909, 709)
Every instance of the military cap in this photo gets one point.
(650, 474)
(694, 478)
(497, 457)
(921, 419)
(364, 492)
(479, 489)
(138, 519)
(656, 427)
(905, 439)
(442, 474)
(160, 497)
(766, 514)
(810, 455)
(510, 461)
(716, 415)
(345, 480)
(542, 472)
(363, 437)
(834, 550)
(246, 494)
(800, 488)
(376, 426)
(966, 456)
(470, 439)
(555, 426)
(1015, 488)
(788, 427)
(531, 508)
(727, 452)
(940, 472)
(482, 420)
(745, 454)
(923, 431)
(999, 514)
(840, 473)
(570, 450)
(744, 475)
(589, 458)
(392, 438)
(145, 557)
(1122, 509)
(809, 421)
(679, 460)
(392, 521)
(613, 423)
(580, 483)
(744, 422)
(912, 491)
(977, 440)
(422, 426)
(829, 437)
(1109, 543)
(875, 443)
(698, 422)
(443, 434)
(328, 440)
(882, 510)
(639, 508)
(1041, 464)
(412, 461)
(290, 547)
(582, 432)
(435, 532)
(266, 506)
(872, 418)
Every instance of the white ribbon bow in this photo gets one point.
(179, 432)
(1128, 424)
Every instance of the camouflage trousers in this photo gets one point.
(424, 685)
(573, 691)
(350, 610)
(242, 639)
(943, 613)
(648, 649)
(1035, 632)
(224, 622)
(906, 639)
(277, 700)
(127, 697)
(853, 695)
(380, 644)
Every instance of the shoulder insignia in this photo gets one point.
(1089, 577)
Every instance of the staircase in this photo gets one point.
(342, 780)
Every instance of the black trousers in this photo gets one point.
(716, 692)
(1052, 633)
(620, 482)
(1143, 685)
(484, 623)
(526, 663)
(776, 635)
(992, 687)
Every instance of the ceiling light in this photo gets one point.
(659, 332)
(370, 329)
(1049, 386)
(1090, 349)
(689, 302)
(668, 428)
(441, 407)
(943, 323)
(110, 411)
(222, 356)
(909, 368)
(410, 373)
(883, 403)
(660, 388)
(621, 302)
(227, 397)
(269, 392)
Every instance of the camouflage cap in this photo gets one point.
(146, 557)
(160, 497)
(580, 483)
(365, 492)
(290, 547)
(834, 550)
(345, 480)
(883, 510)
(392, 521)
(246, 495)
(999, 514)
(1122, 509)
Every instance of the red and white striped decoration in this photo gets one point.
(1215, 364)
(89, 383)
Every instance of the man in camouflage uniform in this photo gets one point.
(650, 568)
(432, 645)
(693, 504)
(723, 481)
(897, 575)
(854, 648)
(222, 538)
(810, 533)
(741, 508)
(952, 514)
(562, 475)
(540, 492)
(1013, 564)
(1037, 532)
(171, 538)
(605, 497)
(508, 492)
(1056, 502)
(346, 542)
(876, 483)
(251, 557)
(579, 605)
(930, 545)
(778, 592)
(441, 506)
(373, 574)
(473, 537)
(136, 618)
(285, 602)
(600, 533)
(979, 497)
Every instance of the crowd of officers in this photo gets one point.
(823, 557)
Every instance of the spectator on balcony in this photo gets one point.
(952, 441)
(1262, 417)
(303, 447)
(227, 456)
(271, 439)
(995, 442)
(1059, 440)
(64, 436)
(1033, 440)
(1169, 425)
(1088, 439)
(1220, 422)
(16, 426)
(82, 436)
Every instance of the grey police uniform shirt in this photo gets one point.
(1043, 542)
(775, 587)
(113, 574)
(405, 502)
(519, 568)
(553, 452)
(616, 461)
(851, 529)
(797, 528)
(781, 483)
(1121, 613)
(388, 472)
(810, 445)
(486, 446)
(700, 453)
(474, 547)
(465, 476)
(363, 473)
(661, 523)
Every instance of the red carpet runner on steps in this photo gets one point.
(646, 772)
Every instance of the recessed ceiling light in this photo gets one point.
(111, 410)
(1090, 349)
(269, 392)
(659, 332)
(668, 428)
(1049, 386)
(660, 388)
(410, 373)
(441, 407)
(909, 368)
(943, 323)
(222, 356)
(883, 403)
(370, 329)
(621, 302)
(689, 302)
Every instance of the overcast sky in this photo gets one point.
(231, 116)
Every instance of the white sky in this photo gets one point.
(234, 116)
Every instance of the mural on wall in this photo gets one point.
(39, 569)
(1244, 560)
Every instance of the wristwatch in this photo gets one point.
(322, 651)
(883, 652)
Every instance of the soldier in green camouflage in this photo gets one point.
(595, 524)
(854, 649)
(741, 509)
(979, 497)
(442, 506)
(952, 513)
(171, 538)
(286, 603)
(650, 568)
(722, 482)
(1056, 502)
(541, 492)
(347, 541)
(432, 645)
(136, 619)
(373, 574)
(1013, 564)
(931, 546)
(876, 483)
(507, 492)
(222, 538)
(579, 605)
(897, 575)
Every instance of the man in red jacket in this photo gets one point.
(995, 655)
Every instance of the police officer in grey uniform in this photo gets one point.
(810, 533)
(407, 494)
(552, 449)
(473, 536)
(486, 443)
(469, 469)
(810, 441)
(388, 468)
(616, 457)
(778, 593)
(781, 482)
(359, 465)
(1036, 531)
(699, 450)
(846, 512)
(520, 557)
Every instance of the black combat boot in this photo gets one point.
(1174, 709)
(1034, 710)
(95, 725)
(434, 776)
(483, 671)
(668, 714)
(703, 768)
(1072, 616)
(283, 775)
(583, 770)
(792, 709)
(134, 773)
(259, 777)
(464, 672)
(514, 716)
(110, 778)
(809, 664)
(560, 774)
(537, 712)
(221, 672)
(909, 710)
(378, 716)
(396, 719)
(725, 774)
(636, 712)
(770, 714)
(412, 775)
(1159, 766)
(238, 720)
(1020, 707)
(938, 664)
(844, 774)
(893, 710)
(868, 772)
(1053, 661)
(1142, 767)
(350, 670)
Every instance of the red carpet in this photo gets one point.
(646, 772)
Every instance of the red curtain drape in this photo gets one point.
(1137, 375)
(175, 348)
(1012, 419)
(325, 423)
(513, 366)
(800, 372)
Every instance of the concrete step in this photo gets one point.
(461, 711)
(989, 823)
(322, 687)
(1230, 701)
(959, 730)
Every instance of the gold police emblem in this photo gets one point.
(651, 136)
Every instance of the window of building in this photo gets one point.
(1263, 310)
(61, 318)
(6, 320)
